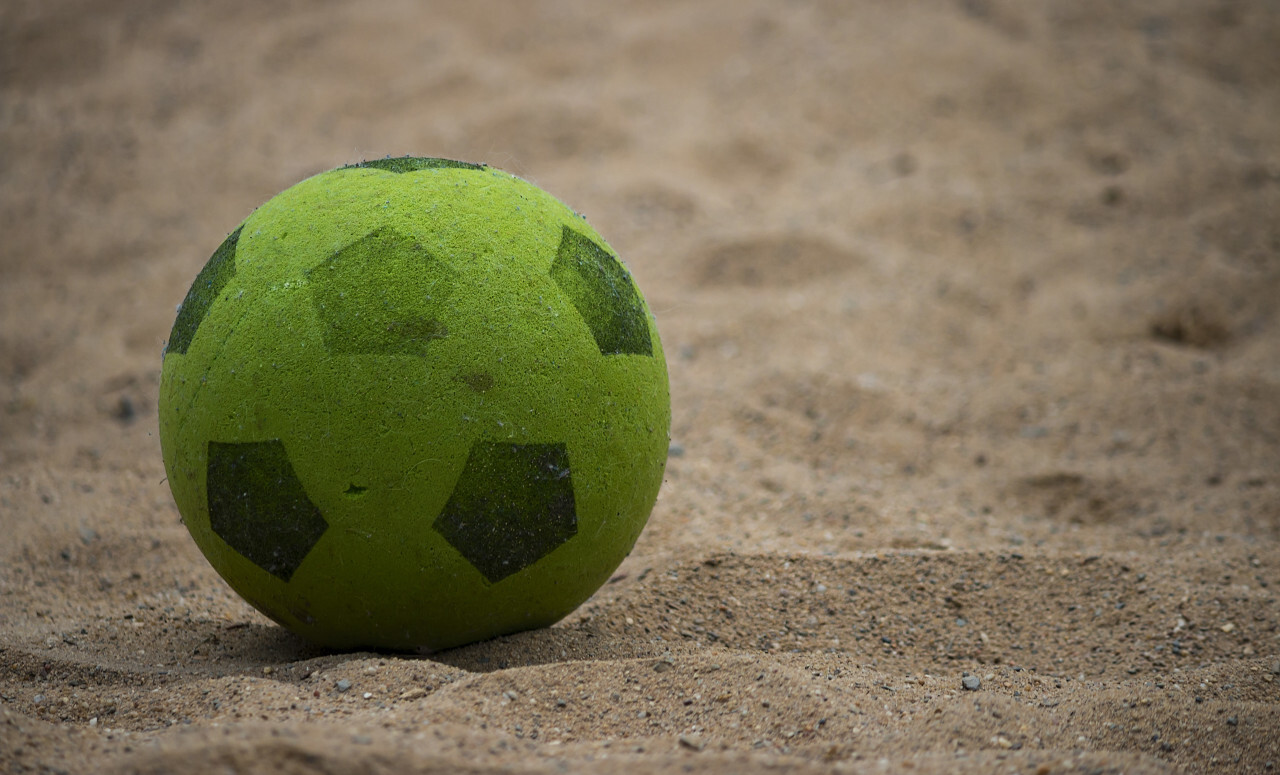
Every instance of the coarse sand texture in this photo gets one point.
(414, 403)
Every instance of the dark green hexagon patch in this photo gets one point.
(512, 505)
(258, 506)
(401, 164)
(215, 275)
(603, 293)
(381, 295)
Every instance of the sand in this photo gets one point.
(972, 318)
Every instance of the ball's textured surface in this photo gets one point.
(414, 403)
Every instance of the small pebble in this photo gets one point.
(971, 683)
(692, 742)
(343, 685)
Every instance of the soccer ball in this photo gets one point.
(414, 403)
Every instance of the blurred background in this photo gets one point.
(883, 242)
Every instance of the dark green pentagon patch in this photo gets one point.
(601, 290)
(512, 505)
(215, 275)
(413, 164)
(258, 506)
(379, 296)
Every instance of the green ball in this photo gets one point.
(414, 403)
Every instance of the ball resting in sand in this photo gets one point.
(414, 403)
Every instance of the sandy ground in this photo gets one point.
(972, 316)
